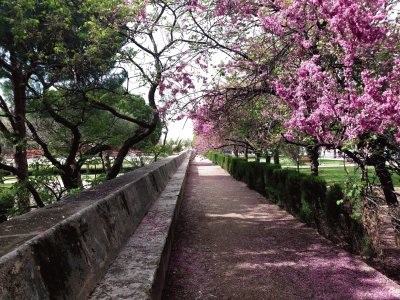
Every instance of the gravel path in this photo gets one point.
(232, 244)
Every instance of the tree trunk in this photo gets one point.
(313, 155)
(123, 151)
(71, 177)
(258, 155)
(246, 153)
(20, 155)
(165, 136)
(141, 161)
(386, 182)
(334, 153)
(72, 180)
(107, 162)
(267, 156)
(390, 197)
(1, 172)
(103, 166)
(276, 156)
(235, 151)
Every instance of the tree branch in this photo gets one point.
(114, 112)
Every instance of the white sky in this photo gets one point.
(182, 129)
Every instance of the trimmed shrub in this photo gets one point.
(313, 193)
(233, 164)
(254, 176)
(277, 186)
(270, 191)
(293, 191)
(332, 208)
(240, 171)
(250, 175)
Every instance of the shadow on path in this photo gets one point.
(231, 244)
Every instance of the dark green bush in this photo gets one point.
(268, 180)
(293, 191)
(332, 208)
(234, 161)
(250, 174)
(254, 176)
(313, 193)
(277, 186)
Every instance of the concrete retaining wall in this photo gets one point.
(139, 271)
(61, 251)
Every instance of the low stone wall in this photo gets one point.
(61, 251)
(139, 271)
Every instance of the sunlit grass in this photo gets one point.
(338, 175)
(333, 170)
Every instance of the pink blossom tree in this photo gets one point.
(335, 66)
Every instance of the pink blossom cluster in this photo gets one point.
(340, 102)
(341, 78)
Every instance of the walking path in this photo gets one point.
(232, 244)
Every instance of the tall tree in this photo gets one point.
(46, 43)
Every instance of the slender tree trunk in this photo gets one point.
(107, 161)
(313, 155)
(103, 166)
(20, 155)
(236, 151)
(267, 156)
(165, 136)
(1, 171)
(386, 182)
(334, 153)
(258, 155)
(246, 153)
(141, 161)
(276, 156)
(131, 141)
(390, 197)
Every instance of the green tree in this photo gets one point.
(44, 44)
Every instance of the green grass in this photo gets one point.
(285, 161)
(333, 175)
(338, 175)
(329, 170)
(332, 162)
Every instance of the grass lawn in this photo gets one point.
(330, 171)
(285, 161)
(338, 175)
(332, 162)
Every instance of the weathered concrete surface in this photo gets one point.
(139, 270)
(61, 251)
(232, 244)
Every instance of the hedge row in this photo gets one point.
(305, 196)
(302, 195)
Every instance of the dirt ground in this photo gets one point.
(232, 244)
